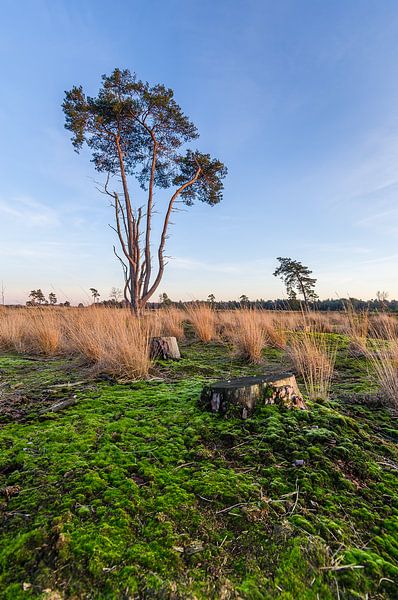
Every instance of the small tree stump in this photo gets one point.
(240, 396)
(165, 348)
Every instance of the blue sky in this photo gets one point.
(298, 98)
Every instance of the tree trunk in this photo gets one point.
(238, 397)
(165, 348)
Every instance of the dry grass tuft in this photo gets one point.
(203, 320)
(383, 358)
(225, 323)
(314, 357)
(320, 322)
(172, 322)
(113, 340)
(248, 336)
(383, 326)
(12, 331)
(44, 331)
(274, 329)
(270, 325)
(357, 329)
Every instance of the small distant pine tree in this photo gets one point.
(36, 298)
(244, 300)
(165, 300)
(52, 298)
(95, 294)
(297, 280)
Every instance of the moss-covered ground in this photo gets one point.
(135, 492)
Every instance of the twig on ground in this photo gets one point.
(17, 513)
(341, 567)
(183, 465)
(231, 507)
(67, 385)
(203, 498)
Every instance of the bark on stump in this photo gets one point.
(165, 348)
(240, 396)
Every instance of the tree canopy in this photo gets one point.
(296, 278)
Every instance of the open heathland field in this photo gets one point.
(116, 483)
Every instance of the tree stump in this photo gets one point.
(240, 396)
(165, 348)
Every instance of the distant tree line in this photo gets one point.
(295, 276)
(330, 304)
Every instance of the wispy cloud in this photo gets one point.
(366, 175)
(246, 268)
(333, 247)
(45, 249)
(384, 221)
(382, 259)
(30, 212)
(189, 264)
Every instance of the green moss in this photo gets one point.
(137, 491)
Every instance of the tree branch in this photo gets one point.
(149, 217)
(119, 232)
(164, 236)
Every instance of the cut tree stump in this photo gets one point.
(165, 348)
(240, 396)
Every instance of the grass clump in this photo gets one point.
(249, 337)
(382, 355)
(275, 330)
(172, 322)
(357, 329)
(12, 331)
(203, 320)
(114, 341)
(313, 356)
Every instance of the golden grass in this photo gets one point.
(248, 336)
(43, 333)
(12, 330)
(314, 357)
(383, 326)
(116, 342)
(203, 320)
(319, 321)
(274, 329)
(383, 358)
(357, 330)
(171, 322)
(225, 323)
(250, 330)
(113, 340)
